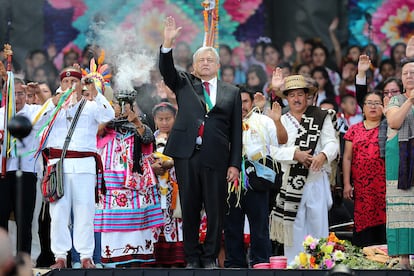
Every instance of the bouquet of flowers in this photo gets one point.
(325, 253)
(321, 253)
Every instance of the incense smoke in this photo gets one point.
(125, 52)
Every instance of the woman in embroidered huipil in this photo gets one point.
(129, 214)
(365, 170)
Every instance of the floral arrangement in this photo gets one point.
(325, 253)
(391, 21)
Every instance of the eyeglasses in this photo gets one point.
(373, 104)
(391, 92)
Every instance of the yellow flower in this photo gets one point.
(303, 259)
(327, 248)
(308, 241)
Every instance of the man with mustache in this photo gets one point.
(305, 197)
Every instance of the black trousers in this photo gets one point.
(8, 203)
(200, 187)
(255, 205)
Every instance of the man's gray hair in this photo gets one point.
(205, 49)
(19, 80)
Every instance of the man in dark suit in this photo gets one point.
(205, 143)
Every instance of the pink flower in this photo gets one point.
(78, 6)
(121, 200)
(392, 20)
(240, 11)
(329, 263)
(151, 15)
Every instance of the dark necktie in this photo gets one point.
(207, 87)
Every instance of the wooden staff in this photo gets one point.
(211, 17)
(8, 54)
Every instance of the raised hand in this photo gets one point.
(259, 100)
(32, 88)
(276, 112)
(334, 24)
(170, 31)
(299, 45)
(409, 51)
(287, 50)
(363, 63)
(277, 79)
(130, 114)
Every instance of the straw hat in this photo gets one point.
(298, 82)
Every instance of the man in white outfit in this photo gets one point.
(251, 197)
(9, 197)
(80, 171)
(305, 198)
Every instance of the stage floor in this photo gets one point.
(216, 272)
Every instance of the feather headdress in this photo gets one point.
(99, 72)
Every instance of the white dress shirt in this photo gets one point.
(30, 143)
(84, 136)
(213, 90)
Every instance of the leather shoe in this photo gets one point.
(87, 263)
(192, 264)
(209, 264)
(59, 264)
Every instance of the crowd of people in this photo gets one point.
(235, 155)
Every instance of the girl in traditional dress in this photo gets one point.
(169, 250)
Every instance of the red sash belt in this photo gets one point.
(51, 153)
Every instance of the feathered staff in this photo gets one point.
(211, 19)
(9, 104)
(99, 73)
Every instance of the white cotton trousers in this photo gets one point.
(312, 216)
(79, 197)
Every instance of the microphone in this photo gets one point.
(19, 127)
